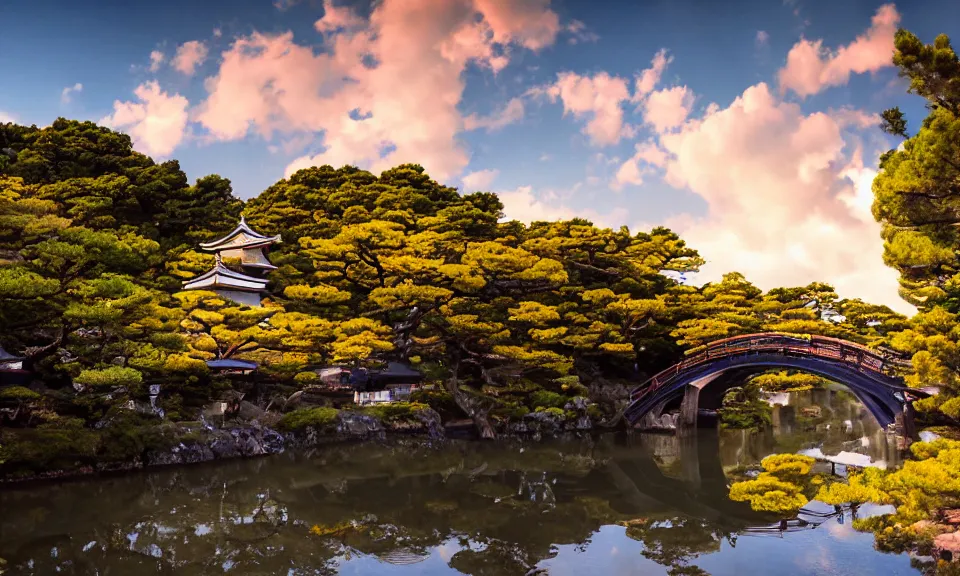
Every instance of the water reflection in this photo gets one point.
(644, 504)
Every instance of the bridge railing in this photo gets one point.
(818, 346)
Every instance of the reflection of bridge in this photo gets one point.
(701, 490)
(698, 489)
(864, 371)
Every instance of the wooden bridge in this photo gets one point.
(868, 373)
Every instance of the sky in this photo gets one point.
(748, 127)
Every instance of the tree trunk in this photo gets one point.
(469, 405)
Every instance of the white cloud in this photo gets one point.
(479, 180)
(66, 93)
(6, 118)
(762, 38)
(527, 206)
(156, 122)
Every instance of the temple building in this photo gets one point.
(251, 249)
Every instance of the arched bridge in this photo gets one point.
(866, 372)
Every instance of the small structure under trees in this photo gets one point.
(11, 369)
(251, 249)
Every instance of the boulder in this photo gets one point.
(249, 411)
(947, 546)
(357, 425)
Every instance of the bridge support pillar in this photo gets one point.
(904, 423)
(689, 410)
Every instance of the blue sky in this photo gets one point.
(782, 214)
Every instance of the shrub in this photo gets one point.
(548, 399)
(39, 450)
(439, 400)
(306, 377)
(322, 417)
(18, 393)
(394, 410)
(109, 377)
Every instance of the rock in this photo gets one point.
(431, 422)
(544, 422)
(249, 411)
(357, 425)
(947, 546)
(951, 516)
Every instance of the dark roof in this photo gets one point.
(8, 357)
(230, 364)
(400, 369)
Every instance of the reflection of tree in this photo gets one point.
(675, 541)
(508, 509)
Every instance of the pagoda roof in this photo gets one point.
(8, 357)
(222, 277)
(253, 239)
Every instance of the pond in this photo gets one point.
(611, 504)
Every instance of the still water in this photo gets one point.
(608, 505)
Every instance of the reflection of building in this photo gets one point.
(11, 369)
(231, 366)
(251, 249)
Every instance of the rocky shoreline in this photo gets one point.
(185, 443)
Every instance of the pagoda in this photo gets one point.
(250, 247)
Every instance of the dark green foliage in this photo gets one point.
(547, 399)
(321, 418)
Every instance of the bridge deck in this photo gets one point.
(824, 347)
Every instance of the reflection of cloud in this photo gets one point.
(840, 531)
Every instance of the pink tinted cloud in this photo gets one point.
(810, 68)
(189, 55)
(668, 108)
(479, 180)
(157, 122)
(509, 114)
(852, 117)
(338, 18)
(401, 109)
(785, 205)
(531, 23)
(598, 99)
(647, 158)
(650, 77)
(156, 59)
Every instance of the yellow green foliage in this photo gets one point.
(109, 377)
(767, 493)
(787, 465)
